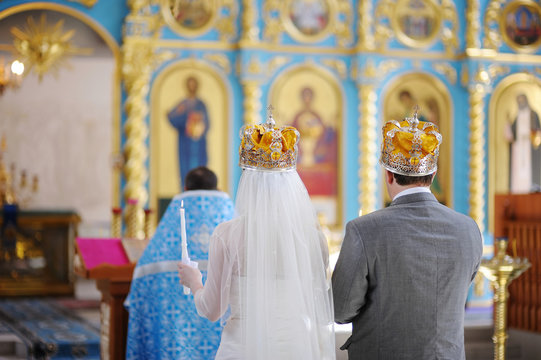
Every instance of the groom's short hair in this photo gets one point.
(425, 180)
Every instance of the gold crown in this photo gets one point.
(267, 147)
(410, 147)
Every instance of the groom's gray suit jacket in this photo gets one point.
(402, 278)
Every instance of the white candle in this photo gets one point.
(184, 240)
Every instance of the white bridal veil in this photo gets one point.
(285, 301)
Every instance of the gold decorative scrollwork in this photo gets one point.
(221, 60)
(256, 68)
(493, 37)
(226, 24)
(277, 20)
(138, 61)
(442, 14)
(464, 76)
(472, 25)
(477, 155)
(88, 3)
(252, 101)
(366, 36)
(383, 31)
(450, 26)
(371, 71)
(250, 31)
(337, 65)
(446, 70)
(367, 148)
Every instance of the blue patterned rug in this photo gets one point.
(49, 330)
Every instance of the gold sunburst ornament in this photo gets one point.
(44, 47)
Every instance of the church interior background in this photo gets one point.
(88, 118)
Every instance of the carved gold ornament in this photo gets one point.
(88, 3)
(44, 47)
(308, 21)
(446, 70)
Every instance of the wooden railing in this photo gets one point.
(525, 292)
(518, 218)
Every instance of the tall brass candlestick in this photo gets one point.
(501, 270)
(116, 223)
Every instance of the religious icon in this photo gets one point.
(523, 133)
(191, 14)
(189, 127)
(310, 100)
(416, 22)
(522, 24)
(190, 17)
(310, 17)
(190, 118)
(424, 91)
(318, 148)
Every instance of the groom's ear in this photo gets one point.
(389, 177)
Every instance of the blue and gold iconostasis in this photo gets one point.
(189, 74)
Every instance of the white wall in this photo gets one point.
(61, 130)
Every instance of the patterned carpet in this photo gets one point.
(50, 329)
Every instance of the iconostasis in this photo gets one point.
(193, 72)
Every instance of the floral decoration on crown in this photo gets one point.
(267, 147)
(410, 147)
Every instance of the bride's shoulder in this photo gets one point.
(225, 229)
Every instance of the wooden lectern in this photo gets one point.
(518, 218)
(112, 270)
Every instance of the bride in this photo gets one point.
(268, 276)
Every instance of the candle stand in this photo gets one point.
(501, 270)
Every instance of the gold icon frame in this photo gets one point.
(163, 145)
(298, 35)
(322, 81)
(186, 31)
(498, 157)
(402, 6)
(509, 8)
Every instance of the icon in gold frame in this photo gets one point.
(416, 23)
(190, 17)
(520, 25)
(308, 20)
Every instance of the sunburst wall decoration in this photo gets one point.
(43, 47)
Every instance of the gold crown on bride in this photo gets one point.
(267, 147)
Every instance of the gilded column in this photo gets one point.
(477, 155)
(250, 31)
(366, 36)
(367, 148)
(252, 102)
(472, 25)
(137, 60)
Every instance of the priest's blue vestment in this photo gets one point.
(163, 322)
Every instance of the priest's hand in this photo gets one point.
(190, 277)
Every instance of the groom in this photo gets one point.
(403, 273)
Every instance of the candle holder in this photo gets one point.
(500, 271)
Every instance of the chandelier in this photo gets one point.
(11, 74)
(44, 47)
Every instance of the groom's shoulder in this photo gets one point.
(372, 219)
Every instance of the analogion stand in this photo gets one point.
(113, 274)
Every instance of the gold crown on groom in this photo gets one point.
(410, 147)
(267, 147)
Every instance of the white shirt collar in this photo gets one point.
(413, 190)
